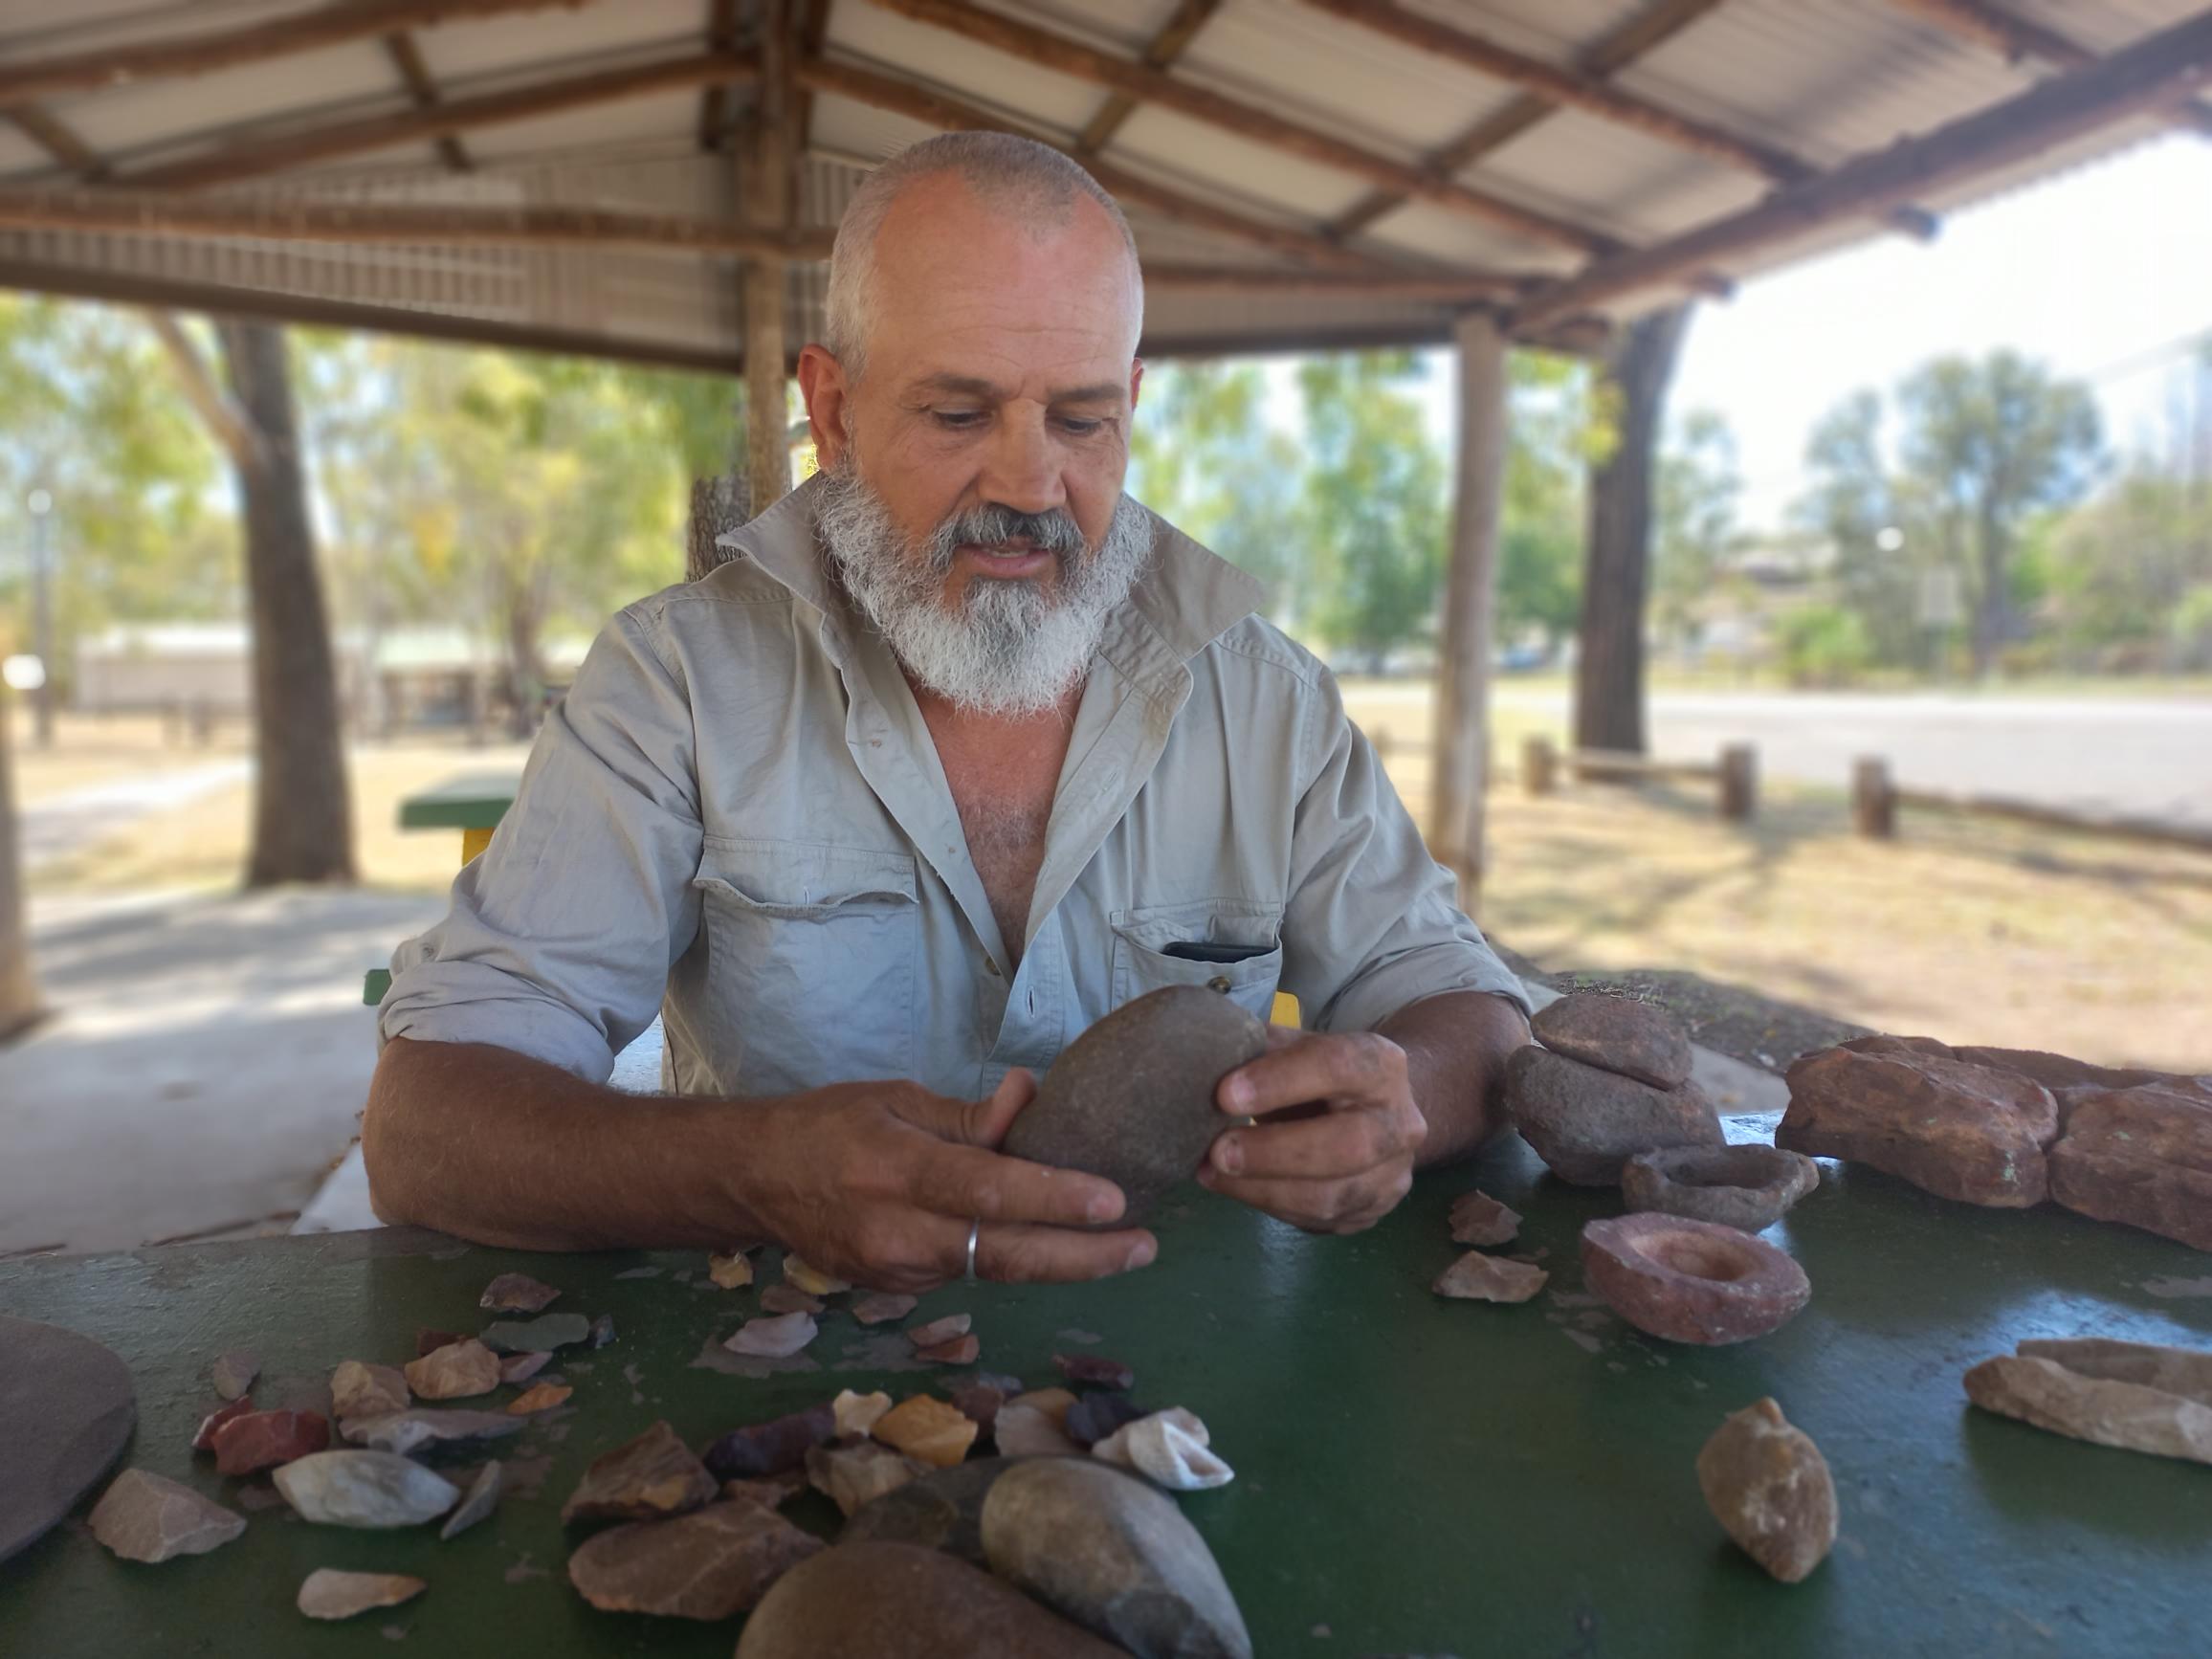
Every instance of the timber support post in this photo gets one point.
(1540, 766)
(1739, 782)
(1461, 755)
(767, 202)
(19, 1006)
(1874, 799)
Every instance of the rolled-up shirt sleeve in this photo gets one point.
(1371, 925)
(561, 934)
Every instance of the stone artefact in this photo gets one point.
(929, 1429)
(1749, 1187)
(648, 1478)
(1094, 1371)
(853, 1415)
(1585, 1122)
(939, 1330)
(479, 1500)
(143, 1516)
(898, 1601)
(1132, 1099)
(67, 1409)
(456, 1371)
(880, 1308)
(539, 1397)
(1028, 1431)
(729, 1272)
(327, 1593)
(1768, 1486)
(517, 1293)
(774, 1491)
(1097, 1414)
(1170, 1448)
(942, 1510)
(1113, 1554)
(2142, 1156)
(521, 1367)
(265, 1439)
(775, 1446)
(204, 1437)
(790, 1299)
(1692, 1281)
(365, 1488)
(2135, 1396)
(959, 1351)
(360, 1389)
(407, 1432)
(1480, 1219)
(1958, 1130)
(1617, 1033)
(774, 1339)
(602, 1331)
(711, 1564)
(233, 1374)
(430, 1342)
(852, 1476)
(539, 1335)
(1476, 1277)
(979, 1397)
(813, 1281)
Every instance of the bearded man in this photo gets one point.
(966, 749)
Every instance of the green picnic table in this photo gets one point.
(1414, 1475)
(474, 805)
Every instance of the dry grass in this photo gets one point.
(1969, 929)
(89, 751)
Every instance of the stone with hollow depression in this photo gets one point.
(1769, 1487)
(145, 1517)
(517, 1293)
(1692, 1281)
(774, 1339)
(1749, 1187)
(1132, 1099)
(648, 1478)
(330, 1594)
(1479, 1278)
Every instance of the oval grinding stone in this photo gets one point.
(1132, 1098)
(66, 1409)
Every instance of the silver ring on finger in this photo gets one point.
(974, 1229)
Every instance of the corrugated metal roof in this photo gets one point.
(1821, 80)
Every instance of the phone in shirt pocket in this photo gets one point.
(1230, 945)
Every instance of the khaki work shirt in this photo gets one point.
(736, 817)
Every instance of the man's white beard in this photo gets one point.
(1007, 647)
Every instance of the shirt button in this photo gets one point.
(991, 967)
(1219, 983)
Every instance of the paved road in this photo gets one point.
(2146, 759)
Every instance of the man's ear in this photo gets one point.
(822, 383)
(1136, 380)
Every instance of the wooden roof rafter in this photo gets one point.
(2015, 37)
(1173, 39)
(714, 109)
(56, 137)
(2143, 79)
(422, 86)
(1576, 89)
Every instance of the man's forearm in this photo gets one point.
(1456, 1046)
(493, 1146)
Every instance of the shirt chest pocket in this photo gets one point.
(1247, 931)
(811, 953)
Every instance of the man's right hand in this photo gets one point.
(877, 1182)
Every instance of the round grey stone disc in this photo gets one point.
(66, 1409)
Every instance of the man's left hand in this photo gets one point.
(1337, 1132)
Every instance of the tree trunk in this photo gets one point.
(1616, 577)
(718, 506)
(303, 815)
(1993, 613)
(18, 986)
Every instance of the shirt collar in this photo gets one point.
(1186, 598)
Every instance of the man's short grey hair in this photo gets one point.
(1031, 180)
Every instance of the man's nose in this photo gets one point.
(1022, 469)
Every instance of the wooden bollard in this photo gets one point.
(1873, 798)
(1739, 782)
(1540, 766)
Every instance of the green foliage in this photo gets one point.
(1695, 535)
(2126, 583)
(1824, 645)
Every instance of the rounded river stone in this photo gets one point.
(1115, 1554)
(1692, 1281)
(1750, 1187)
(1619, 1033)
(1585, 1122)
(891, 1601)
(1132, 1098)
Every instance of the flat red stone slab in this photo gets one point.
(1692, 1281)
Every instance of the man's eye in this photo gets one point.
(958, 419)
(1081, 427)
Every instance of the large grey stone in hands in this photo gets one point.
(365, 1488)
(1114, 1556)
(143, 1516)
(1587, 1123)
(1618, 1034)
(1132, 1099)
(894, 1601)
